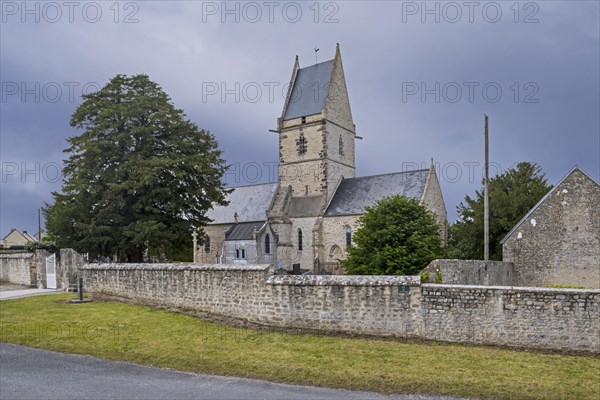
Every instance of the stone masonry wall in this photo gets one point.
(18, 268)
(434, 201)
(67, 269)
(304, 257)
(39, 258)
(559, 242)
(301, 170)
(216, 233)
(558, 319)
(397, 306)
(471, 272)
(334, 236)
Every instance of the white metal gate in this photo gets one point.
(51, 272)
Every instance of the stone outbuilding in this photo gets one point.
(558, 241)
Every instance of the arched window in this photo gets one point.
(348, 237)
(300, 239)
(207, 244)
(341, 146)
(240, 252)
(267, 244)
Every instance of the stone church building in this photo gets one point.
(306, 219)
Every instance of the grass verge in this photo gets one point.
(143, 335)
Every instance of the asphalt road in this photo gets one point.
(27, 373)
(16, 294)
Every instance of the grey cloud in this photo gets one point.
(180, 51)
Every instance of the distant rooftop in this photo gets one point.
(354, 194)
(310, 90)
(250, 203)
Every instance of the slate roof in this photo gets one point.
(310, 90)
(307, 206)
(543, 199)
(250, 202)
(243, 231)
(354, 194)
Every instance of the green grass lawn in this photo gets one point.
(167, 339)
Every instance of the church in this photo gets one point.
(305, 220)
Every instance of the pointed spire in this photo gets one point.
(338, 54)
(289, 91)
(432, 166)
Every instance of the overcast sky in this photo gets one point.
(420, 77)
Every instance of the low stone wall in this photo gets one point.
(558, 319)
(398, 306)
(470, 272)
(18, 268)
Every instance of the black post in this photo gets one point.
(80, 288)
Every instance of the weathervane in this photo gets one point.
(316, 52)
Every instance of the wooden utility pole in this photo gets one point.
(486, 198)
(39, 225)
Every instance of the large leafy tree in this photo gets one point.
(397, 236)
(140, 175)
(512, 195)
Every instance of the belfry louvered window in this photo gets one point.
(301, 144)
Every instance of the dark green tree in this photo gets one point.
(512, 195)
(397, 236)
(140, 175)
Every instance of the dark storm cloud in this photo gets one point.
(544, 59)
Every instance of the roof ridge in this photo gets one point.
(389, 173)
(314, 65)
(254, 184)
(250, 222)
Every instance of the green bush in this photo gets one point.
(397, 236)
(42, 245)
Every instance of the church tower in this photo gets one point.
(316, 151)
(316, 131)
